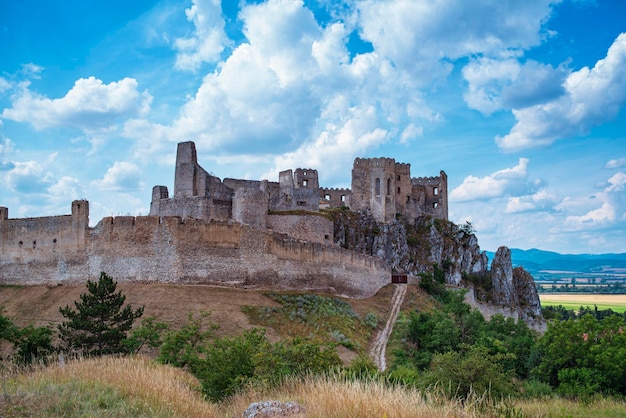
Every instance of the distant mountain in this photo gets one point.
(535, 260)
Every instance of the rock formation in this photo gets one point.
(418, 248)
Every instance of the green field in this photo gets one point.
(575, 301)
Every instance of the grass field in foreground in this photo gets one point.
(139, 387)
(575, 301)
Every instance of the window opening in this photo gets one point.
(377, 186)
(389, 187)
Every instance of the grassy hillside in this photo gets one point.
(39, 305)
(138, 387)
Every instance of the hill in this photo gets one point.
(537, 261)
(39, 305)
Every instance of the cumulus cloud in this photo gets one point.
(495, 84)
(208, 39)
(543, 200)
(89, 105)
(66, 189)
(335, 145)
(592, 96)
(122, 176)
(28, 177)
(420, 35)
(507, 182)
(292, 87)
(610, 207)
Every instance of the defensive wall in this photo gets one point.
(153, 249)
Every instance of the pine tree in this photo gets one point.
(99, 325)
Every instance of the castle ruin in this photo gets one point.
(243, 233)
(380, 185)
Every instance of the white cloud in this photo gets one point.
(66, 189)
(507, 182)
(611, 209)
(89, 105)
(6, 146)
(592, 96)
(28, 177)
(496, 84)
(617, 163)
(411, 132)
(208, 40)
(420, 35)
(31, 70)
(543, 200)
(293, 87)
(336, 145)
(122, 176)
(4, 85)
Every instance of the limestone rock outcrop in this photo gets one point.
(417, 248)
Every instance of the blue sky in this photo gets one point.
(521, 103)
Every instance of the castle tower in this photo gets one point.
(189, 179)
(306, 178)
(374, 187)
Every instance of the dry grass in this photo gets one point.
(138, 387)
(110, 386)
(334, 397)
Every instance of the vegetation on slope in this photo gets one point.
(139, 387)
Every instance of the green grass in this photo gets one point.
(576, 306)
(321, 318)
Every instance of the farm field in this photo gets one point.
(575, 301)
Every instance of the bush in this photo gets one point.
(186, 346)
(371, 320)
(474, 370)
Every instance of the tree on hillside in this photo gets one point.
(99, 325)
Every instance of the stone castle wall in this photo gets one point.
(151, 249)
(311, 228)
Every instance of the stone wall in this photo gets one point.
(167, 250)
(26, 240)
(311, 228)
(336, 198)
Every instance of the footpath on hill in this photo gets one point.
(379, 348)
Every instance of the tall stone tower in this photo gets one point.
(374, 187)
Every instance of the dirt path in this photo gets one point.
(379, 348)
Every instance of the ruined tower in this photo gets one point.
(386, 189)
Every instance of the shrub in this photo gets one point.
(474, 370)
(371, 320)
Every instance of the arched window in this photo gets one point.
(435, 191)
(389, 187)
(377, 186)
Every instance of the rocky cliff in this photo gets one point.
(432, 243)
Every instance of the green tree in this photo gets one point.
(148, 334)
(187, 346)
(32, 343)
(584, 356)
(100, 323)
